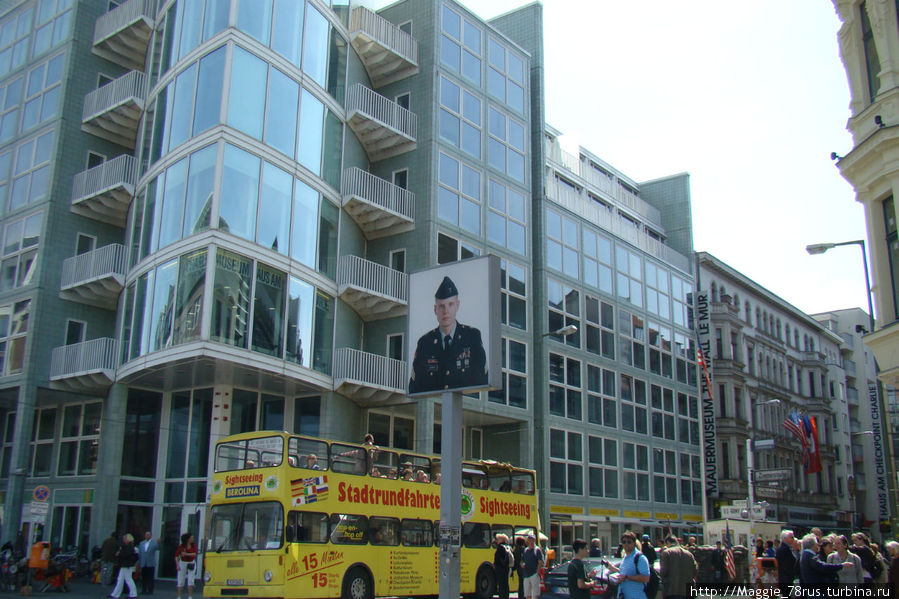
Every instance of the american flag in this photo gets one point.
(796, 424)
(729, 554)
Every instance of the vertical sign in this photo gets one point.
(709, 436)
(880, 470)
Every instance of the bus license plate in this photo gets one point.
(236, 582)
(562, 590)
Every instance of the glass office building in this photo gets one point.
(209, 209)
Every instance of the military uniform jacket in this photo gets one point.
(462, 364)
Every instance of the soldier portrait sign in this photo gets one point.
(454, 319)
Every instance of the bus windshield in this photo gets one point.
(263, 452)
(247, 526)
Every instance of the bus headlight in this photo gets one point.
(207, 576)
(267, 576)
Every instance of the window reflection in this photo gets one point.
(231, 298)
(268, 311)
(240, 188)
(299, 321)
(189, 307)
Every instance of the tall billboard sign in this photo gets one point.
(454, 328)
(709, 435)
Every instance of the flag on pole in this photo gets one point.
(729, 554)
(796, 424)
(811, 427)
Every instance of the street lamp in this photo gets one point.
(563, 332)
(820, 248)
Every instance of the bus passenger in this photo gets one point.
(312, 462)
(407, 474)
(421, 477)
(506, 486)
(292, 461)
(437, 478)
(376, 473)
(485, 484)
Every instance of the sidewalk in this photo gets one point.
(82, 589)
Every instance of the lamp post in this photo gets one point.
(820, 248)
(750, 440)
(563, 332)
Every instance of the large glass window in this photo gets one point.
(635, 471)
(505, 74)
(21, 240)
(602, 407)
(163, 304)
(564, 310)
(872, 60)
(31, 172)
(13, 333)
(629, 266)
(565, 396)
(515, 368)
(460, 45)
(14, 38)
(600, 333)
(505, 145)
(231, 298)
(459, 195)
(240, 191)
(597, 260)
(324, 332)
(11, 96)
(246, 100)
(42, 92)
(892, 243)
(561, 243)
(51, 25)
(460, 117)
(188, 316)
(603, 460)
(79, 440)
(299, 321)
(198, 200)
(268, 311)
(507, 217)
(281, 111)
(514, 286)
(274, 209)
(566, 469)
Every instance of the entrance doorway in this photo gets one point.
(177, 520)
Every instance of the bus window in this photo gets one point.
(474, 478)
(242, 526)
(348, 459)
(419, 467)
(253, 453)
(501, 482)
(502, 529)
(349, 529)
(307, 527)
(307, 453)
(384, 464)
(435, 471)
(383, 531)
(523, 482)
(417, 533)
(476, 534)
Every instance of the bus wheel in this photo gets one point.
(485, 583)
(357, 585)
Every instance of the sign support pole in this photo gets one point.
(450, 495)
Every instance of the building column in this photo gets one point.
(109, 464)
(424, 426)
(19, 465)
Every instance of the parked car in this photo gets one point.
(555, 581)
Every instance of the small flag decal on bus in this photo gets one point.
(309, 490)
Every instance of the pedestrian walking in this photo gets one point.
(126, 557)
(149, 551)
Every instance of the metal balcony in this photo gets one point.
(123, 34)
(383, 127)
(95, 278)
(87, 367)
(113, 111)
(388, 53)
(368, 379)
(373, 290)
(379, 207)
(104, 192)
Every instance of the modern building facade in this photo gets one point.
(862, 450)
(869, 46)
(209, 211)
(768, 359)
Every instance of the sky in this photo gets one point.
(749, 98)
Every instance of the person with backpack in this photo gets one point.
(579, 583)
(634, 570)
(502, 564)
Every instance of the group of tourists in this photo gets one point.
(124, 561)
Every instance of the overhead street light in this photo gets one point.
(563, 332)
(820, 248)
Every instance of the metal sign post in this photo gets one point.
(450, 495)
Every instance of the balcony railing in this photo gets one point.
(104, 192)
(384, 127)
(122, 34)
(86, 367)
(379, 207)
(388, 53)
(95, 277)
(375, 291)
(113, 111)
(368, 378)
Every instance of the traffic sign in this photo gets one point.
(763, 444)
(41, 493)
(769, 492)
(771, 474)
(39, 507)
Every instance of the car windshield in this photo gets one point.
(247, 526)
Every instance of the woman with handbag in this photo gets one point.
(186, 564)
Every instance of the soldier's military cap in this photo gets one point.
(447, 289)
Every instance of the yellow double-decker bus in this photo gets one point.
(295, 516)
